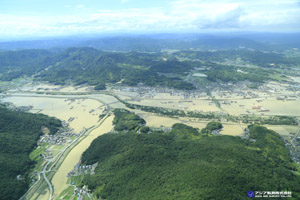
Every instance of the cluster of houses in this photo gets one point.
(80, 169)
(150, 92)
(296, 153)
(221, 89)
(293, 148)
(81, 193)
(58, 138)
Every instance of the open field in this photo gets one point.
(272, 106)
(44, 196)
(156, 121)
(287, 107)
(233, 129)
(283, 130)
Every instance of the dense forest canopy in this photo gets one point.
(19, 133)
(186, 164)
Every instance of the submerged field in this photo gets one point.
(80, 112)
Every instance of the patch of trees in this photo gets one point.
(182, 129)
(182, 164)
(126, 121)
(100, 86)
(211, 126)
(19, 133)
(272, 120)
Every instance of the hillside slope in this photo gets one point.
(184, 164)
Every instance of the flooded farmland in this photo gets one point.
(79, 113)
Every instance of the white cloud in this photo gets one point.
(240, 15)
(181, 15)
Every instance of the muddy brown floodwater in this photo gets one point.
(59, 180)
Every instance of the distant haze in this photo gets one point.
(43, 18)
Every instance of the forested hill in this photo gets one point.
(19, 133)
(15, 64)
(164, 69)
(187, 164)
(93, 67)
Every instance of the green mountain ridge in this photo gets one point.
(93, 67)
(186, 164)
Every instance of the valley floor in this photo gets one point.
(80, 108)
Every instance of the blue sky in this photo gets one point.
(39, 18)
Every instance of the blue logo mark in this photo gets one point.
(251, 194)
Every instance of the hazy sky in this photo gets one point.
(19, 18)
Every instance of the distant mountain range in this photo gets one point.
(158, 42)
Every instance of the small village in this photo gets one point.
(294, 147)
(288, 92)
(79, 170)
(81, 193)
(65, 135)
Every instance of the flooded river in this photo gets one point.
(59, 180)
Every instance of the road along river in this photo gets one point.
(85, 111)
(59, 180)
